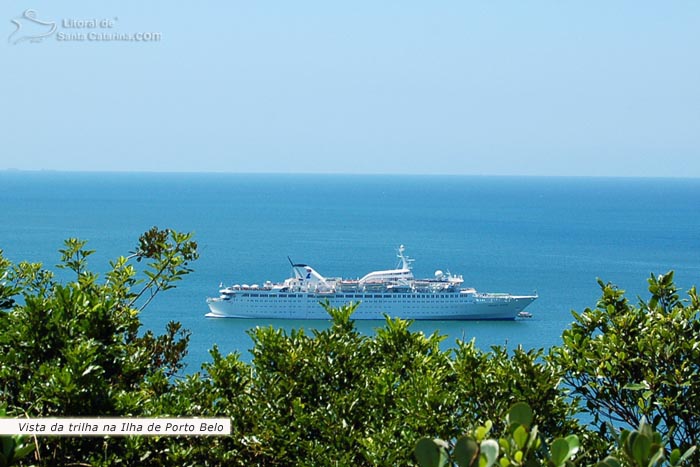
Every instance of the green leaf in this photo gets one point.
(518, 456)
(675, 456)
(481, 431)
(609, 462)
(520, 436)
(489, 453)
(560, 451)
(429, 454)
(574, 445)
(520, 413)
(23, 450)
(466, 451)
(641, 449)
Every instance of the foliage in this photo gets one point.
(489, 383)
(335, 396)
(644, 447)
(13, 448)
(73, 349)
(522, 445)
(632, 363)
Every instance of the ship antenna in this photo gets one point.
(294, 268)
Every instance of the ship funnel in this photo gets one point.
(308, 275)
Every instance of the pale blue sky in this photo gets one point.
(445, 87)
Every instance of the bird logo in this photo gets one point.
(29, 28)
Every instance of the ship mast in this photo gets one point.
(405, 260)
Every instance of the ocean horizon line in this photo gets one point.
(344, 174)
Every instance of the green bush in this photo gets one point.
(632, 363)
(73, 349)
(523, 445)
(336, 396)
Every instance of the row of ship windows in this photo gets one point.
(265, 305)
(350, 295)
(341, 296)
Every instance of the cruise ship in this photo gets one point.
(392, 292)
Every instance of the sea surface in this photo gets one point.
(503, 234)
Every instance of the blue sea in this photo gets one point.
(503, 234)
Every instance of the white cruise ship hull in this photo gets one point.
(428, 306)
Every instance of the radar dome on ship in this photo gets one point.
(439, 274)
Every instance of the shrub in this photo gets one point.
(523, 445)
(632, 363)
(73, 349)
